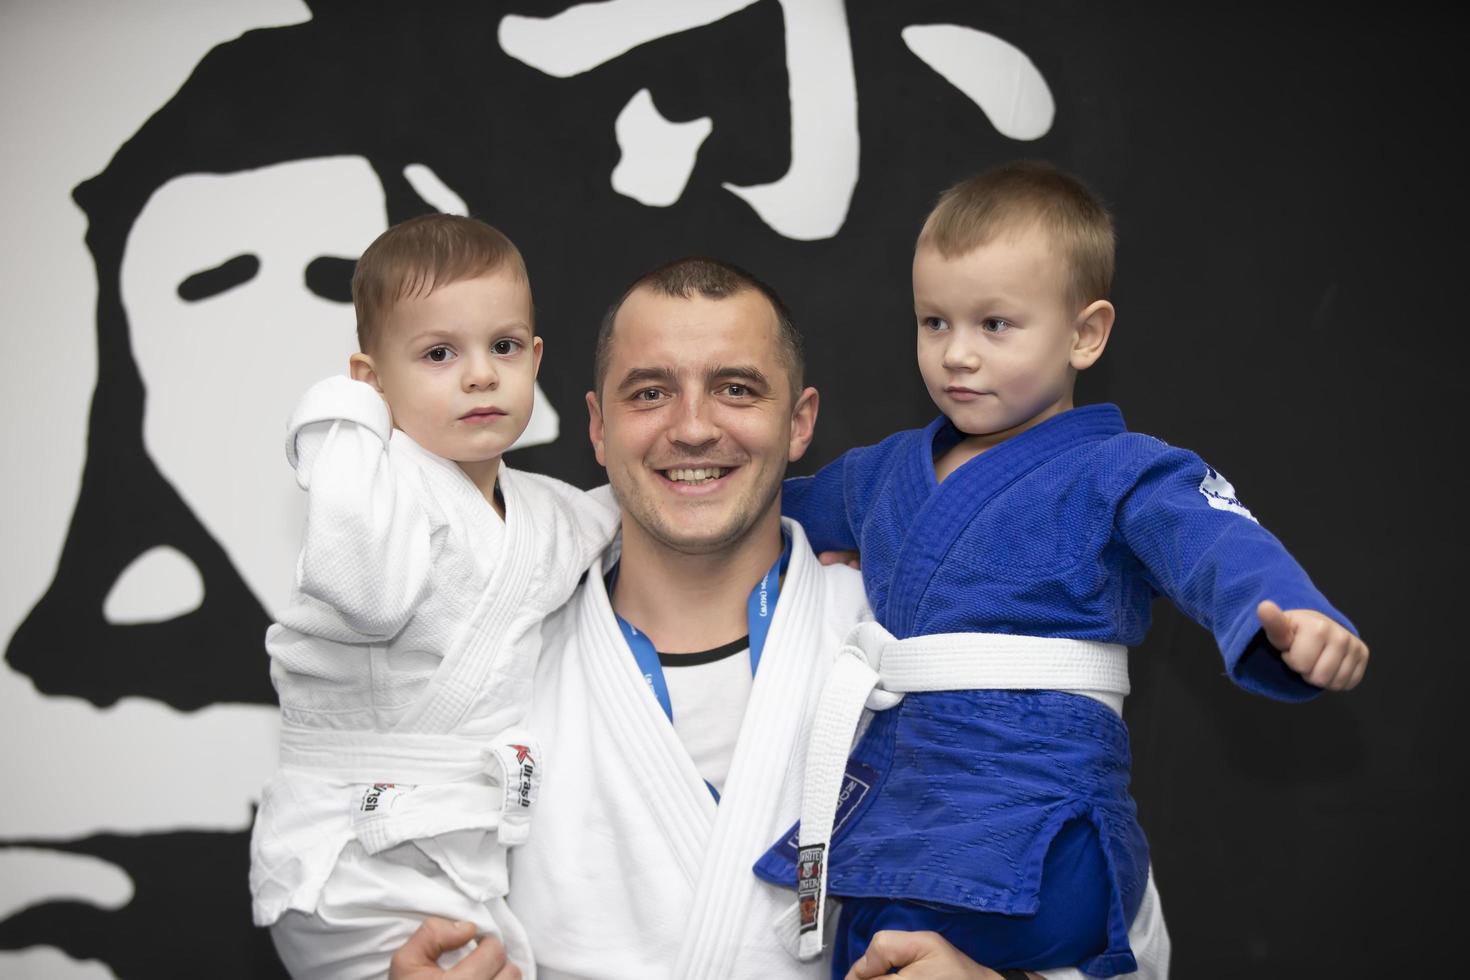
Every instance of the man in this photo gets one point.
(658, 793)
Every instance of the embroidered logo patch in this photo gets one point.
(856, 783)
(519, 775)
(1219, 494)
(379, 797)
(810, 867)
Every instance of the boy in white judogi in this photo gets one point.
(404, 660)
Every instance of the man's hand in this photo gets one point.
(418, 959)
(918, 955)
(1322, 651)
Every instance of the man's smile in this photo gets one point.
(695, 476)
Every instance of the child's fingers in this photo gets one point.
(1276, 625)
(1329, 659)
(1361, 669)
(1308, 639)
(848, 558)
(1350, 671)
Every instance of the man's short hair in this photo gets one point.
(417, 256)
(1015, 196)
(713, 279)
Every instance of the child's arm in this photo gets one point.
(822, 505)
(367, 550)
(1203, 549)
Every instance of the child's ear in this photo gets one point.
(535, 356)
(360, 366)
(1094, 325)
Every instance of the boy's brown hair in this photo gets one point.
(415, 257)
(1029, 193)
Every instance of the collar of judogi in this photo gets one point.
(760, 609)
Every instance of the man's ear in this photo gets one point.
(594, 426)
(1094, 326)
(360, 366)
(803, 424)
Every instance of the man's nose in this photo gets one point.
(694, 422)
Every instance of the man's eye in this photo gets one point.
(648, 395)
(737, 391)
(438, 354)
(505, 347)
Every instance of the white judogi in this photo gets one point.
(403, 666)
(633, 870)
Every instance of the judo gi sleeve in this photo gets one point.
(821, 504)
(367, 549)
(1203, 549)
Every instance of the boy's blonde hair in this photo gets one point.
(417, 256)
(1014, 196)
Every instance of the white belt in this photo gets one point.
(451, 765)
(875, 670)
(372, 757)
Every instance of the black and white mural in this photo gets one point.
(186, 187)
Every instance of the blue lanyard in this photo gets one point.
(760, 608)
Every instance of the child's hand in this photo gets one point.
(848, 558)
(1322, 651)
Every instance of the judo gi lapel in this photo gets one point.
(942, 511)
(463, 674)
(684, 809)
(762, 790)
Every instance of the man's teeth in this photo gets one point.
(697, 475)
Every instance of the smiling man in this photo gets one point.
(673, 699)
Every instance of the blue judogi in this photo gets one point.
(1070, 529)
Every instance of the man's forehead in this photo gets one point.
(694, 330)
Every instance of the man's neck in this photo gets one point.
(688, 603)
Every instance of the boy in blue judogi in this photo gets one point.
(1000, 817)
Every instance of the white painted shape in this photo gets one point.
(136, 767)
(810, 201)
(433, 190)
(76, 81)
(222, 374)
(160, 584)
(544, 424)
(586, 35)
(993, 73)
(657, 155)
(49, 963)
(65, 877)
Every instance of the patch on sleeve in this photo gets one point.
(1219, 494)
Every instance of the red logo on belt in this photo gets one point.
(523, 752)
